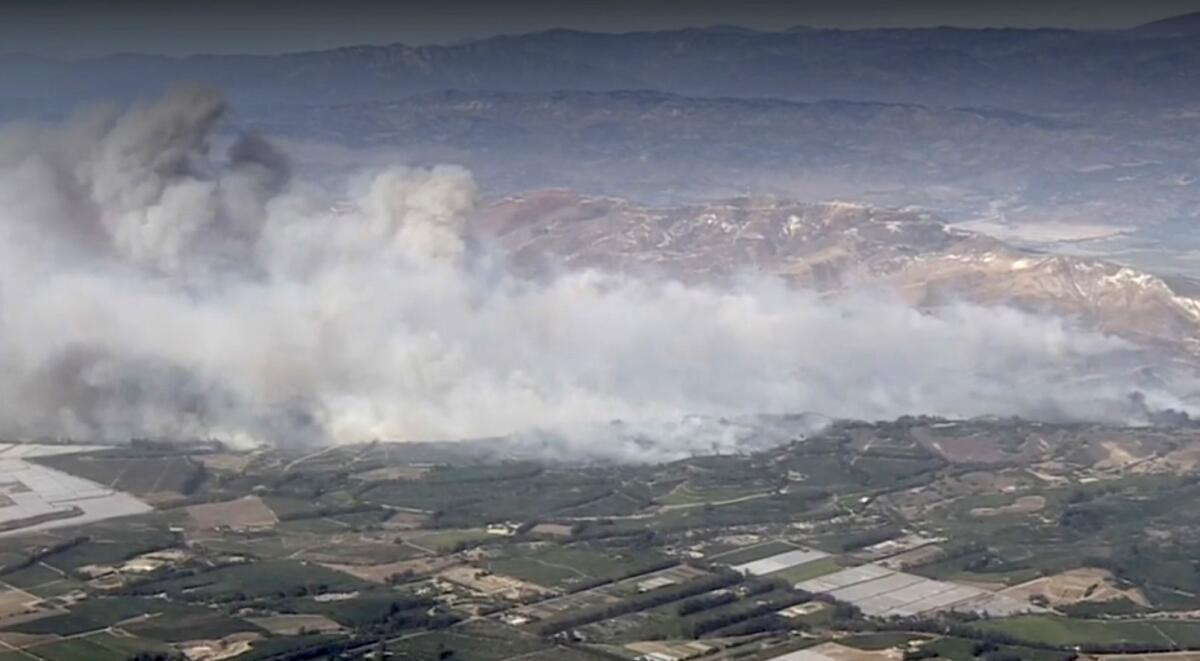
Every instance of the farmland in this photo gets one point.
(879, 536)
(37, 497)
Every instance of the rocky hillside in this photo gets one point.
(836, 246)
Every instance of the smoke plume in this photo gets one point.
(151, 287)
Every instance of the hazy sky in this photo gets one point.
(81, 28)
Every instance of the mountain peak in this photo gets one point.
(1175, 26)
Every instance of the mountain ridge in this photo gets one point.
(662, 147)
(939, 66)
(836, 246)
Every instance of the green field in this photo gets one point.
(565, 567)
(192, 626)
(847, 489)
(878, 641)
(1051, 630)
(100, 647)
(808, 570)
(468, 496)
(961, 649)
(563, 654)
(99, 613)
(478, 641)
(122, 470)
(31, 576)
(442, 541)
(112, 543)
(744, 554)
(272, 579)
(687, 494)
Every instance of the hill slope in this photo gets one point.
(836, 246)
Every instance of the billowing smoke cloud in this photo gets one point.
(149, 287)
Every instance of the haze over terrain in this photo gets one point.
(1043, 135)
(776, 330)
(360, 243)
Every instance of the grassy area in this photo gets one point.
(31, 576)
(562, 654)
(879, 641)
(468, 496)
(565, 567)
(274, 579)
(443, 541)
(286, 507)
(808, 570)
(688, 494)
(961, 649)
(112, 546)
(99, 613)
(539, 571)
(478, 641)
(134, 474)
(192, 626)
(56, 588)
(949, 572)
(286, 647)
(100, 647)
(1053, 630)
(744, 554)
(774, 508)
(365, 610)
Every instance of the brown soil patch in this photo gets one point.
(1183, 460)
(913, 558)
(350, 548)
(1118, 455)
(20, 640)
(1074, 586)
(1022, 505)
(228, 647)
(490, 584)
(552, 530)
(980, 447)
(844, 653)
(226, 462)
(248, 513)
(14, 603)
(405, 521)
(1052, 472)
(671, 650)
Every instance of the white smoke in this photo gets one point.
(151, 288)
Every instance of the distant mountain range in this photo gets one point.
(1028, 70)
(1121, 169)
(1021, 126)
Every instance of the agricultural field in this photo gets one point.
(1061, 631)
(991, 537)
(37, 497)
(150, 477)
(242, 514)
(102, 646)
(568, 568)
